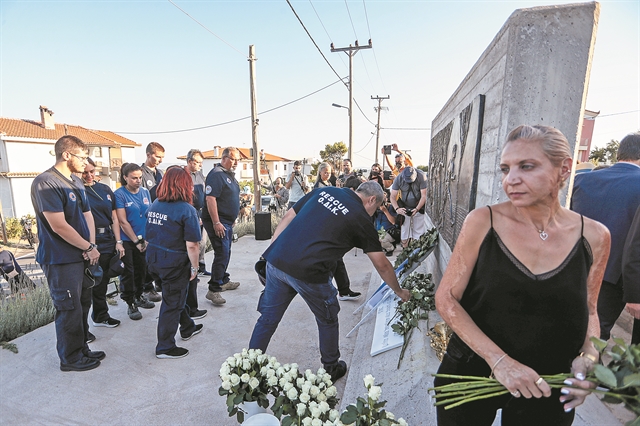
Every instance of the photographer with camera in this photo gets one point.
(385, 219)
(376, 174)
(402, 160)
(412, 186)
(298, 184)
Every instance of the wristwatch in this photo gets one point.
(91, 247)
(119, 242)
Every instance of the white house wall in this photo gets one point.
(26, 157)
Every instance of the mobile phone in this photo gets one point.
(387, 149)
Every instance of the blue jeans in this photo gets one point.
(72, 304)
(221, 255)
(278, 293)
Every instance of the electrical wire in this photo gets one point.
(314, 42)
(195, 20)
(367, 144)
(349, 13)
(405, 128)
(618, 113)
(231, 121)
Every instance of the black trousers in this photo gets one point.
(610, 306)
(100, 311)
(135, 269)
(461, 360)
(342, 278)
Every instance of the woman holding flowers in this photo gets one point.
(521, 288)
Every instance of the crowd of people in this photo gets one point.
(526, 261)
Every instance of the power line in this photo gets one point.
(349, 13)
(405, 128)
(219, 38)
(231, 121)
(618, 113)
(314, 42)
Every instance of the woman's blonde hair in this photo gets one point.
(322, 167)
(553, 143)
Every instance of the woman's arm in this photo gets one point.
(516, 377)
(125, 225)
(193, 251)
(116, 232)
(599, 239)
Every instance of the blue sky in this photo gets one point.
(145, 66)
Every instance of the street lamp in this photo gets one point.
(350, 128)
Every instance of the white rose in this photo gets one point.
(314, 391)
(271, 372)
(315, 412)
(333, 415)
(402, 422)
(292, 393)
(225, 377)
(321, 397)
(276, 365)
(307, 372)
(246, 364)
(300, 382)
(304, 397)
(244, 351)
(306, 421)
(331, 391)
(282, 382)
(306, 387)
(287, 386)
(225, 369)
(327, 379)
(261, 358)
(369, 380)
(254, 383)
(226, 385)
(390, 415)
(294, 366)
(321, 372)
(323, 406)
(235, 379)
(231, 361)
(263, 371)
(316, 422)
(311, 377)
(280, 371)
(272, 381)
(245, 378)
(252, 356)
(313, 404)
(301, 409)
(375, 392)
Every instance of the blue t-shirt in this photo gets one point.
(136, 206)
(51, 191)
(380, 219)
(328, 223)
(103, 203)
(223, 185)
(170, 224)
(198, 190)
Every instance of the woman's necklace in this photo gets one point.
(543, 235)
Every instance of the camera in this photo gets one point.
(409, 212)
(296, 172)
(387, 149)
(386, 175)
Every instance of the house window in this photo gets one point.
(96, 151)
(285, 167)
(276, 167)
(244, 166)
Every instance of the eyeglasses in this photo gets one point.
(79, 157)
(231, 158)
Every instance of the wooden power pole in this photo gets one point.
(257, 201)
(351, 51)
(378, 108)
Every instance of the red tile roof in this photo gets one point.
(245, 154)
(35, 130)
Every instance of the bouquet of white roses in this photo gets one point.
(369, 411)
(304, 399)
(243, 380)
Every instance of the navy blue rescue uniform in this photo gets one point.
(151, 178)
(135, 267)
(62, 262)
(103, 203)
(169, 226)
(221, 184)
(328, 223)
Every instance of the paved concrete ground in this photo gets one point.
(133, 387)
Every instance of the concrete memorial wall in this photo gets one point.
(535, 71)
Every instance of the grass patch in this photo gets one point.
(24, 312)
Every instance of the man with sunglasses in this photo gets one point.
(67, 240)
(222, 204)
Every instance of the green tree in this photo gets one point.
(333, 154)
(423, 168)
(607, 154)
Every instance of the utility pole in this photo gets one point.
(351, 51)
(378, 108)
(257, 202)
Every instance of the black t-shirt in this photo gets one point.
(223, 185)
(329, 222)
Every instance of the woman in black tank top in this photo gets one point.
(521, 288)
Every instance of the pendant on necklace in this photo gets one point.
(543, 235)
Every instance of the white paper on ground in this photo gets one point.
(384, 338)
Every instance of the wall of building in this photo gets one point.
(535, 71)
